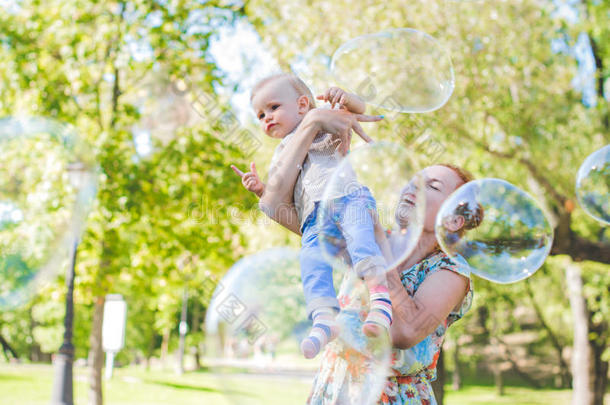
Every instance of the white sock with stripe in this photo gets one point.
(324, 330)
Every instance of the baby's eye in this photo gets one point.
(261, 116)
(275, 106)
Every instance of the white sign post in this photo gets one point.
(113, 330)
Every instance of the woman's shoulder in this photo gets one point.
(434, 262)
(414, 276)
(441, 261)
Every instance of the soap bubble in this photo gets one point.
(257, 319)
(593, 185)
(47, 184)
(381, 175)
(402, 70)
(495, 230)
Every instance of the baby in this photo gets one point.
(280, 103)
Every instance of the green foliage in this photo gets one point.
(48, 332)
(88, 64)
(514, 115)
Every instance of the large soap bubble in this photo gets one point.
(593, 185)
(256, 320)
(381, 175)
(402, 70)
(47, 183)
(495, 230)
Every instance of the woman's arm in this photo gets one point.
(284, 173)
(277, 200)
(418, 316)
(285, 215)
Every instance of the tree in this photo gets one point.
(513, 114)
(83, 63)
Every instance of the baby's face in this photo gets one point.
(277, 107)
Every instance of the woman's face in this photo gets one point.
(438, 182)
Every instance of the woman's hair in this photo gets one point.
(297, 84)
(463, 174)
(473, 215)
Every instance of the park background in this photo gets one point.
(160, 90)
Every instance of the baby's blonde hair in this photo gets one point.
(297, 84)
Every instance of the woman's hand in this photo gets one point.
(340, 123)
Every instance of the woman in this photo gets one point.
(428, 291)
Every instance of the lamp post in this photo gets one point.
(62, 386)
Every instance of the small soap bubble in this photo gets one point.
(593, 185)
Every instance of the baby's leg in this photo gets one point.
(379, 317)
(358, 229)
(322, 304)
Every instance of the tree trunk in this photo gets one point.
(165, 347)
(599, 369)
(35, 354)
(195, 329)
(96, 354)
(498, 379)
(182, 329)
(150, 350)
(456, 378)
(7, 349)
(582, 393)
(438, 385)
(496, 365)
(564, 369)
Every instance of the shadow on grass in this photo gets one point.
(198, 388)
(509, 379)
(6, 377)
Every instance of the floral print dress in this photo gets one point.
(349, 374)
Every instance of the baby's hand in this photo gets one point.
(250, 180)
(335, 95)
(348, 101)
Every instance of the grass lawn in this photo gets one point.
(31, 384)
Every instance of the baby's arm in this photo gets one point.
(350, 101)
(250, 180)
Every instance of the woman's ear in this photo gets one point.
(454, 223)
(303, 103)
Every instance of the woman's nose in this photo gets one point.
(410, 189)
